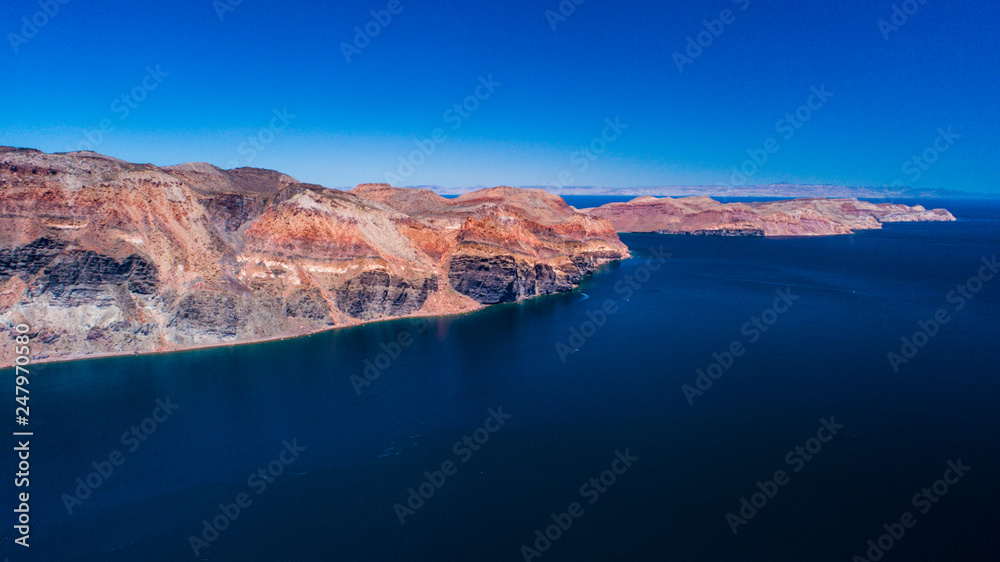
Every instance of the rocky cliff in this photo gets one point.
(101, 256)
(794, 217)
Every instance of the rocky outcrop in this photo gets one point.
(503, 278)
(377, 294)
(507, 244)
(794, 217)
(101, 256)
(29, 259)
(523, 243)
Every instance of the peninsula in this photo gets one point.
(99, 256)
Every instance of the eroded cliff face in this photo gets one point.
(508, 244)
(794, 217)
(101, 256)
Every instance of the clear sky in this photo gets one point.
(207, 81)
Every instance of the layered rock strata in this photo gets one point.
(100, 256)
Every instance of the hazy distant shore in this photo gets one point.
(790, 191)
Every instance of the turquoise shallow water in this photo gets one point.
(620, 388)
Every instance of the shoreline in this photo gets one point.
(219, 345)
(52, 361)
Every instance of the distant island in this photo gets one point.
(779, 190)
(99, 256)
(792, 217)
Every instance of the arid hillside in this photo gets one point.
(101, 256)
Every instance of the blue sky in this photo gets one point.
(268, 84)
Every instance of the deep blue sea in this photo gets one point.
(807, 441)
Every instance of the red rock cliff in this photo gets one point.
(102, 256)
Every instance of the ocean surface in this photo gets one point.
(503, 417)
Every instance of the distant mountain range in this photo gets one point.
(772, 190)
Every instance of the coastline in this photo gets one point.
(187, 349)
(217, 345)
